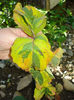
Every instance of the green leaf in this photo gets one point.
(27, 46)
(39, 24)
(29, 19)
(20, 20)
(37, 76)
(55, 61)
(57, 56)
(40, 79)
(73, 25)
(38, 94)
(19, 98)
(35, 60)
(42, 37)
(47, 91)
(49, 72)
(27, 52)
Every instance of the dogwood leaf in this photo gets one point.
(29, 19)
(27, 52)
(57, 56)
(37, 76)
(38, 94)
(46, 80)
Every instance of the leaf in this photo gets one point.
(49, 72)
(27, 52)
(47, 91)
(20, 19)
(29, 19)
(39, 24)
(59, 88)
(24, 82)
(73, 25)
(51, 89)
(19, 98)
(38, 94)
(57, 56)
(46, 80)
(37, 76)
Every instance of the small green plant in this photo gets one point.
(58, 24)
(34, 54)
(6, 9)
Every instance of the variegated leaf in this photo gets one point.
(57, 56)
(27, 52)
(29, 19)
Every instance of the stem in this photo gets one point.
(31, 31)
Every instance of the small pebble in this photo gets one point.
(67, 44)
(2, 86)
(71, 43)
(69, 47)
(69, 40)
(65, 72)
(70, 69)
(57, 74)
(9, 75)
(12, 64)
(3, 82)
(58, 69)
(68, 61)
(70, 65)
(2, 94)
(68, 77)
(13, 78)
(73, 80)
(10, 93)
(64, 50)
(69, 52)
(2, 65)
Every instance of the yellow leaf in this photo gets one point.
(29, 19)
(37, 13)
(52, 89)
(25, 64)
(46, 80)
(59, 52)
(28, 52)
(57, 56)
(19, 19)
(38, 94)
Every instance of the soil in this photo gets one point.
(10, 76)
